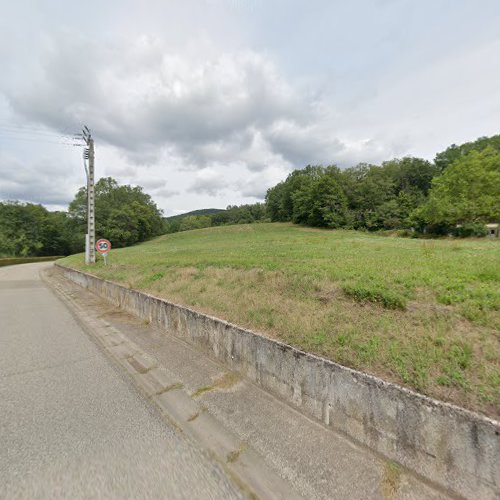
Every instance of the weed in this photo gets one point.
(369, 349)
(202, 390)
(391, 479)
(443, 380)
(318, 339)
(439, 342)
(461, 354)
(343, 339)
(370, 293)
(428, 248)
(171, 387)
(225, 382)
(234, 455)
(194, 416)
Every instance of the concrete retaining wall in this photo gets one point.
(455, 448)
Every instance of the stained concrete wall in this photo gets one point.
(450, 446)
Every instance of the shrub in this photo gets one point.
(378, 295)
(471, 229)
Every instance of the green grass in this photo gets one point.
(423, 313)
(377, 294)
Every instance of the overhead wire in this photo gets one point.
(31, 134)
(29, 127)
(27, 139)
(15, 130)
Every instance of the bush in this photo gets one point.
(378, 295)
(407, 233)
(471, 229)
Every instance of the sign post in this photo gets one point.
(103, 247)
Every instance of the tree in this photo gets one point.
(59, 236)
(329, 203)
(410, 174)
(382, 197)
(468, 191)
(302, 199)
(124, 214)
(444, 159)
(20, 227)
(29, 230)
(195, 222)
(367, 187)
(275, 203)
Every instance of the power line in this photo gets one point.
(46, 141)
(37, 133)
(28, 128)
(9, 132)
(30, 134)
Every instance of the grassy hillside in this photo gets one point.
(423, 313)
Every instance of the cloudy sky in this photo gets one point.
(207, 103)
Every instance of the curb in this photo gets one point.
(242, 464)
(449, 446)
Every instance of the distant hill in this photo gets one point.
(203, 211)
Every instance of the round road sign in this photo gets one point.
(103, 246)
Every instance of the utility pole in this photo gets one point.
(88, 154)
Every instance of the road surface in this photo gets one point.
(71, 425)
(75, 421)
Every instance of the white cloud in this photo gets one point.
(208, 181)
(141, 97)
(43, 181)
(211, 103)
(156, 107)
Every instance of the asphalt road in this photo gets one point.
(71, 425)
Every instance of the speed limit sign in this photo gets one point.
(103, 246)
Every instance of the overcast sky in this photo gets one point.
(207, 103)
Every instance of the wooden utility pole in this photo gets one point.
(89, 155)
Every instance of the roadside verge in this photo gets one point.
(452, 447)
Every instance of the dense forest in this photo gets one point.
(456, 194)
(409, 193)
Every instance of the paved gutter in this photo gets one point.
(243, 426)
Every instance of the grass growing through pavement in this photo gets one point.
(423, 313)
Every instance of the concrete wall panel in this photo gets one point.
(448, 445)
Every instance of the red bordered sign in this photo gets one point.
(103, 246)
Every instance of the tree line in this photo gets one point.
(460, 188)
(29, 230)
(233, 214)
(124, 214)
(457, 194)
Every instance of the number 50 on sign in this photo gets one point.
(103, 247)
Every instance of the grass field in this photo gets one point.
(423, 313)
